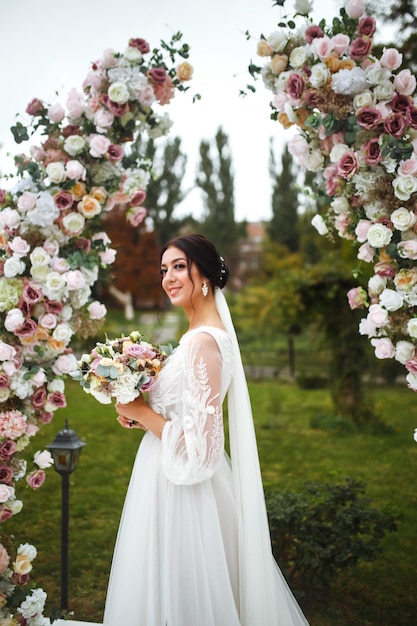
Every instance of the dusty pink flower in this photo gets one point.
(312, 32)
(12, 424)
(369, 117)
(7, 449)
(63, 200)
(395, 125)
(157, 75)
(367, 26)
(115, 153)
(348, 165)
(372, 151)
(57, 399)
(295, 85)
(357, 297)
(38, 399)
(36, 479)
(35, 107)
(360, 48)
(141, 44)
(6, 475)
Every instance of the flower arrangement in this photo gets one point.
(53, 244)
(355, 115)
(120, 368)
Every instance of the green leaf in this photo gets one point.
(20, 132)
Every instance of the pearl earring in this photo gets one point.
(204, 289)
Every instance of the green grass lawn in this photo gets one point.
(381, 593)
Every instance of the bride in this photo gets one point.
(193, 547)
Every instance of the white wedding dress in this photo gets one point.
(179, 556)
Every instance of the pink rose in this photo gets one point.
(7, 353)
(9, 219)
(58, 264)
(411, 115)
(138, 197)
(27, 329)
(361, 230)
(7, 449)
(340, 43)
(19, 246)
(6, 475)
(298, 148)
(280, 100)
(48, 320)
(342, 222)
(98, 145)
(5, 513)
(103, 119)
(6, 492)
(115, 153)
(372, 151)
(75, 104)
(141, 44)
(39, 378)
(38, 399)
(136, 215)
(63, 199)
(378, 316)
(56, 113)
(4, 381)
(147, 96)
(354, 8)
(96, 311)
(312, 32)
(157, 75)
(75, 279)
(31, 293)
(35, 107)
(295, 86)
(108, 256)
(408, 249)
(36, 479)
(348, 165)
(46, 417)
(14, 320)
(384, 348)
(140, 351)
(51, 247)
(384, 269)
(64, 364)
(411, 365)
(405, 82)
(26, 201)
(408, 167)
(75, 170)
(367, 26)
(365, 253)
(357, 297)
(369, 117)
(395, 124)
(391, 59)
(322, 47)
(57, 399)
(360, 48)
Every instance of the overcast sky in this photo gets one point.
(47, 46)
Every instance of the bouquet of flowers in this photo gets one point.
(354, 110)
(120, 368)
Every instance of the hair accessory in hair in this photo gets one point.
(222, 270)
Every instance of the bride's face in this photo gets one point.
(176, 282)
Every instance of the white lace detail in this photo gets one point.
(189, 394)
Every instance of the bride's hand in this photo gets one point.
(128, 414)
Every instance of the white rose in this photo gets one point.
(320, 74)
(62, 333)
(56, 172)
(412, 327)
(340, 205)
(15, 505)
(55, 282)
(364, 99)
(384, 91)
(73, 222)
(412, 383)
(338, 151)
(56, 384)
(391, 300)
(376, 75)
(303, 7)
(298, 57)
(43, 459)
(39, 257)
(404, 186)
(40, 272)
(118, 92)
(376, 284)
(319, 224)
(277, 40)
(379, 235)
(404, 350)
(402, 219)
(74, 144)
(133, 54)
(27, 549)
(314, 161)
(14, 266)
(4, 394)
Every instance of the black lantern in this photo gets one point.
(65, 450)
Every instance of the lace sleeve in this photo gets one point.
(193, 438)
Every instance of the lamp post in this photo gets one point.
(65, 450)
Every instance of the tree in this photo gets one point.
(404, 14)
(215, 178)
(283, 225)
(164, 192)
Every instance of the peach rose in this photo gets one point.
(279, 63)
(89, 206)
(184, 71)
(263, 49)
(22, 565)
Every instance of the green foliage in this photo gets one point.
(326, 530)
(282, 227)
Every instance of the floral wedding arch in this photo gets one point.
(53, 249)
(355, 116)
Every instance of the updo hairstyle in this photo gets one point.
(202, 252)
